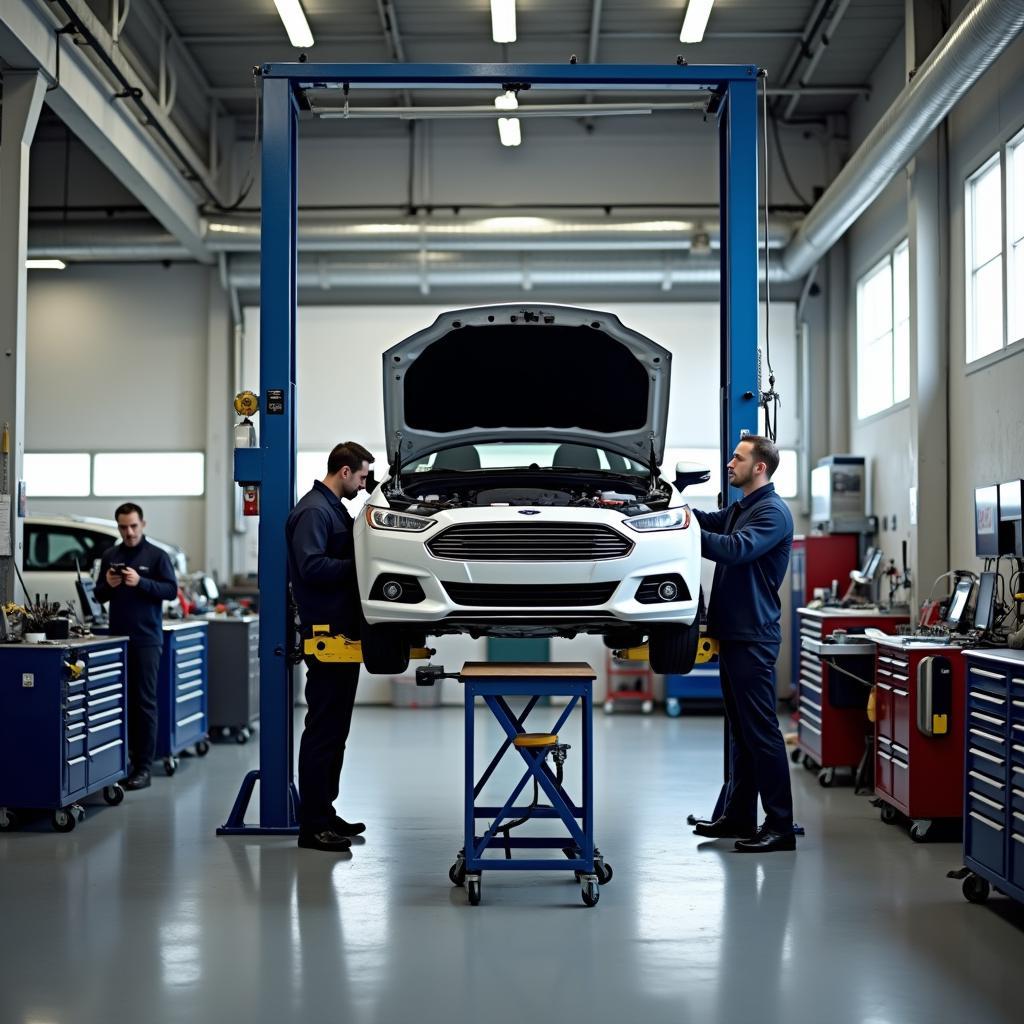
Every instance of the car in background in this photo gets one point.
(56, 547)
(523, 496)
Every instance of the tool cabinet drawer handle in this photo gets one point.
(1017, 681)
(987, 674)
(105, 747)
(884, 756)
(76, 760)
(194, 649)
(988, 736)
(1018, 815)
(99, 677)
(985, 800)
(897, 692)
(811, 686)
(977, 695)
(987, 821)
(897, 763)
(106, 725)
(1018, 748)
(884, 686)
(884, 741)
(187, 697)
(104, 653)
(95, 705)
(1017, 839)
(988, 718)
(900, 676)
(114, 687)
(900, 749)
(987, 756)
(1018, 703)
(985, 779)
(191, 718)
(1018, 792)
(807, 725)
(191, 663)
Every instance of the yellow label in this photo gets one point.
(940, 724)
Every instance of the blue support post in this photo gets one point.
(278, 257)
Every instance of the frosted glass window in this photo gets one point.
(984, 239)
(57, 474)
(883, 334)
(987, 322)
(1015, 240)
(901, 323)
(148, 474)
(786, 478)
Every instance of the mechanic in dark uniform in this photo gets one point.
(321, 564)
(136, 577)
(750, 542)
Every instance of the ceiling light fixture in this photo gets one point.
(295, 24)
(45, 265)
(503, 21)
(508, 127)
(695, 21)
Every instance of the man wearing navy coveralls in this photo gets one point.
(750, 543)
(322, 567)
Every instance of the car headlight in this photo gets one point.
(670, 519)
(385, 519)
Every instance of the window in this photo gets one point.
(984, 235)
(1015, 237)
(148, 474)
(786, 477)
(883, 334)
(57, 474)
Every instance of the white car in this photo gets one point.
(523, 496)
(57, 547)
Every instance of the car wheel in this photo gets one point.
(673, 647)
(385, 649)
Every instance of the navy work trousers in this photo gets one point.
(758, 765)
(143, 669)
(330, 697)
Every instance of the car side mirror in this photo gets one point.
(689, 473)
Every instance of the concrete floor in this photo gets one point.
(143, 914)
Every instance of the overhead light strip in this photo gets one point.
(503, 21)
(509, 131)
(295, 24)
(45, 265)
(695, 20)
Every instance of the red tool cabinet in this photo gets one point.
(916, 774)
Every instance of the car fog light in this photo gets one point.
(667, 591)
(392, 590)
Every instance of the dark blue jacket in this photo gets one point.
(750, 543)
(137, 612)
(322, 563)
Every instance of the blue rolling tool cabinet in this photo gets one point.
(577, 853)
(63, 727)
(181, 692)
(994, 775)
(701, 685)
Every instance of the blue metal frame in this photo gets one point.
(273, 464)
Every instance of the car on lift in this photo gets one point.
(523, 496)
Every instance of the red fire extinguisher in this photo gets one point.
(251, 500)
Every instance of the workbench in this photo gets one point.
(63, 727)
(492, 851)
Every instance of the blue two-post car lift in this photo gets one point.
(287, 89)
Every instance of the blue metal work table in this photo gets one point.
(727, 93)
(494, 682)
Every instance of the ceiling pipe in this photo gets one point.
(973, 43)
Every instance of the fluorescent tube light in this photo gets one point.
(507, 101)
(508, 131)
(695, 21)
(295, 23)
(45, 264)
(503, 21)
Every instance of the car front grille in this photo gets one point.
(570, 595)
(529, 542)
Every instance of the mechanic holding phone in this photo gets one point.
(136, 577)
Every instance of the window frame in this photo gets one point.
(1013, 247)
(92, 492)
(995, 161)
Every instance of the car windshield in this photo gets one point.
(530, 455)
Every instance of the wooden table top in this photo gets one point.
(527, 670)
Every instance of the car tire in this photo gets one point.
(672, 648)
(385, 649)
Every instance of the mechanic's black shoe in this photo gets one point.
(138, 780)
(767, 841)
(327, 840)
(723, 828)
(347, 828)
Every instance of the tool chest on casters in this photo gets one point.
(181, 692)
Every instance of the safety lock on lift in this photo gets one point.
(707, 648)
(336, 647)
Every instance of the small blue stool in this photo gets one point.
(494, 682)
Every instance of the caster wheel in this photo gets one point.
(647, 706)
(888, 813)
(457, 873)
(827, 777)
(673, 708)
(609, 706)
(8, 820)
(807, 762)
(604, 872)
(590, 890)
(202, 748)
(473, 890)
(63, 820)
(795, 755)
(113, 794)
(976, 889)
(919, 831)
(242, 736)
(170, 765)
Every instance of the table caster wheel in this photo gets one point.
(8, 819)
(609, 706)
(170, 765)
(673, 708)
(590, 890)
(919, 830)
(457, 872)
(473, 889)
(887, 813)
(603, 871)
(827, 777)
(647, 706)
(976, 889)
(113, 794)
(808, 762)
(795, 754)
(242, 736)
(63, 819)
(202, 748)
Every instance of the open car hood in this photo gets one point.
(526, 373)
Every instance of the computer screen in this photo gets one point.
(92, 610)
(958, 602)
(984, 611)
(209, 588)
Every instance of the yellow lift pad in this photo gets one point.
(707, 648)
(325, 647)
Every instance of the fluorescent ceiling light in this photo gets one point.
(508, 127)
(695, 21)
(503, 21)
(507, 101)
(44, 264)
(295, 23)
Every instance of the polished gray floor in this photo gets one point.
(143, 914)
